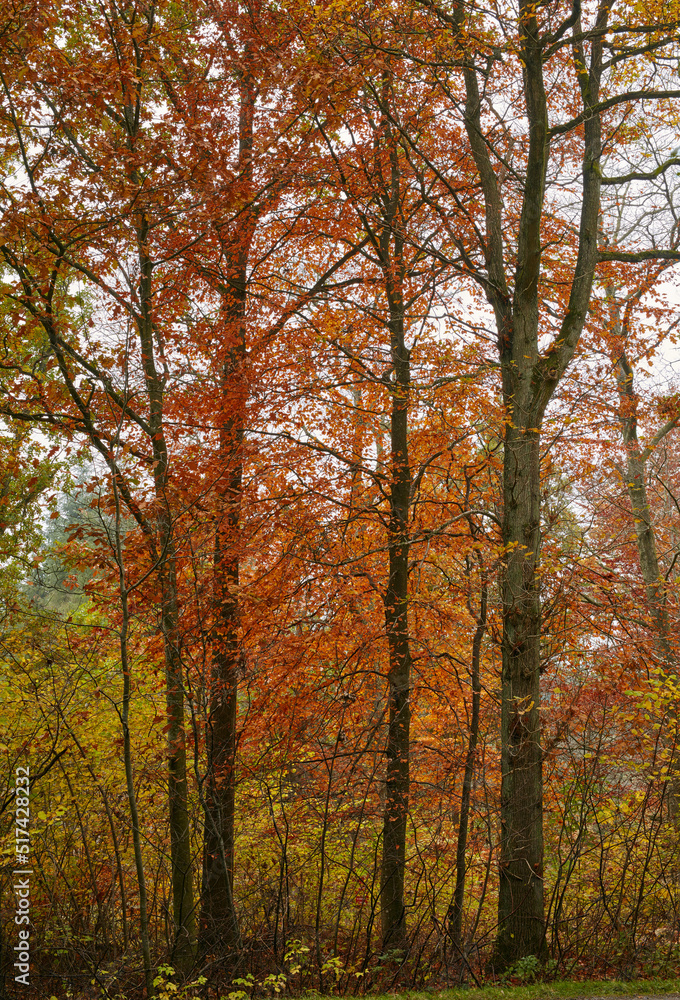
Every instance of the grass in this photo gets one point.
(552, 991)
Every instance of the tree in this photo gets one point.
(52, 239)
(373, 176)
(569, 75)
(636, 474)
(240, 210)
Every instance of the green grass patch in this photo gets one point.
(550, 991)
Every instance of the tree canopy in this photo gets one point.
(338, 512)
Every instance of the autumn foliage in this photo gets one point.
(338, 510)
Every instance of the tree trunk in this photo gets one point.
(636, 462)
(184, 921)
(392, 908)
(219, 922)
(520, 901)
(127, 753)
(529, 380)
(220, 933)
(455, 914)
(636, 484)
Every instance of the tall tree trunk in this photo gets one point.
(520, 899)
(180, 831)
(151, 349)
(220, 932)
(392, 908)
(529, 379)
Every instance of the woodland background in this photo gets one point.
(340, 515)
